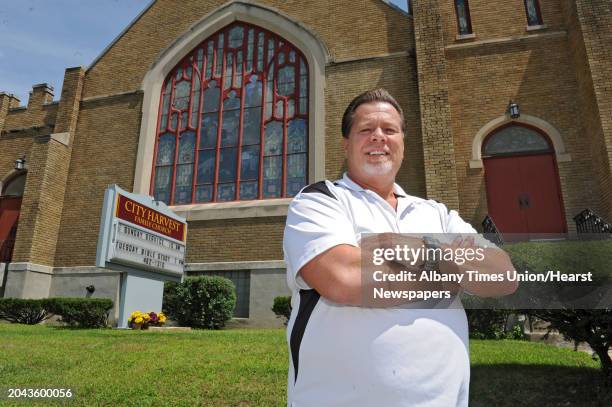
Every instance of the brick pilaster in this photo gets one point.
(590, 35)
(48, 164)
(438, 144)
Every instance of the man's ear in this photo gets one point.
(344, 144)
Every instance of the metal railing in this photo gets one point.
(6, 250)
(491, 232)
(588, 221)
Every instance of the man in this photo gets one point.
(345, 354)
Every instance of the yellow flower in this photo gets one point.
(138, 320)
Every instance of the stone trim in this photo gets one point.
(63, 138)
(236, 265)
(308, 42)
(547, 128)
(460, 37)
(26, 266)
(536, 27)
(84, 270)
(111, 96)
(507, 40)
(370, 58)
(234, 210)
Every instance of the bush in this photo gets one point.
(282, 307)
(201, 302)
(593, 326)
(81, 312)
(171, 302)
(24, 311)
(487, 323)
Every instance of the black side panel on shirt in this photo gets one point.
(308, 300)
(319, 187)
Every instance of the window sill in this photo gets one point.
(461, 37)
(234, 210)
(536, 27)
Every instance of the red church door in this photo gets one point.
(523, 191)
(9, 215)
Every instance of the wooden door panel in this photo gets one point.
(540, 181)
(9, 214)
(503, 182)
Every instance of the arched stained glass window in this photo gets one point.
(233, 121)
(515, 140)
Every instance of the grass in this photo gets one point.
(248, 367)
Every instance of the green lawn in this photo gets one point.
(249, 368)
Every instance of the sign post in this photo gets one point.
(145, 240)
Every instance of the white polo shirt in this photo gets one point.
(351, 356)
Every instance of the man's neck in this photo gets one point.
(384, 188)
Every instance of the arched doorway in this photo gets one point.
(10, 205)
(523, 190)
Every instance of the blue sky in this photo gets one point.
(39, 39)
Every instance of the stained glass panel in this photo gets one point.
(515, 139)
(211, 98)
(165, 149)
(273, 171)
(163, 184)
(235, 37)
(181, 95)
(193, 109)
(463, 17)
(296, 136)
(286, 81)
(226, 192)
(206, 167)
(249, 165)
(186, 147)
(204, 193)
(208, 134)
(533, 14)
(248, 190)
(227, 164)
(182, 189)
(251, 127)
(273, 138)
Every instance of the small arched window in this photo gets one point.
(515, 139)
(534, 14)
(464, 20)
(233, 120)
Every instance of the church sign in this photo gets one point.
(145, 241)
(141, 234)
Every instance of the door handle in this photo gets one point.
(523, 201)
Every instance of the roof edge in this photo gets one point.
(118, 37)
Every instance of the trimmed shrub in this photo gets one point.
(282, 307)
(171, 302)
(201, 302)
(24, 311)
(81, 312)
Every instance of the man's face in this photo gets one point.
(375, 145)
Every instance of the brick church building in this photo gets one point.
(226, 109)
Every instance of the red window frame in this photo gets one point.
(201, 67)
(536, 4)
(467, 15)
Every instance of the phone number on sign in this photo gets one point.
(25, 393)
